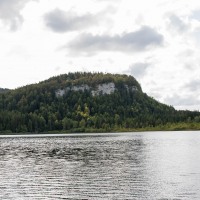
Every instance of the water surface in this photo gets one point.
(151, 165)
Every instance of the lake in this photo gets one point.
(146, 165)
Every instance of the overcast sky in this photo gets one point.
(156, 41)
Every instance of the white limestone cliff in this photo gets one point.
(105, 88)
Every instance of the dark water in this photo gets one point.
(156, 165)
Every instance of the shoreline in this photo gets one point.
(100, 131)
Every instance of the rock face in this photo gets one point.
(79, 88)
(105, 88)
(61, 92)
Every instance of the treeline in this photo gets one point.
(36, 108)
(2, 90)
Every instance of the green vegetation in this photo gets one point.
(39, 108)
(2, 90)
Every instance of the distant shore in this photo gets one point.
(193, 126)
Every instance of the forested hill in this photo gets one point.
(85, 102)
(2, 90)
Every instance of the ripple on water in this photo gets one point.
(121, 166)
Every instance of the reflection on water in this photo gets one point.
(152, 165)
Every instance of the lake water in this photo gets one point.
(151, 165)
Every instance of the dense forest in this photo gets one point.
(88, 102)
(2, 90)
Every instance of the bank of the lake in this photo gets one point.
(192, 126)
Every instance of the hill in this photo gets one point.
(2, 90)
(86, 102)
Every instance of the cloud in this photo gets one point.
(62, 21)
(187, 53)
(196, 36)
(139, 40)
(10, 12)
(138, 69)
(195, 15)
(193, 85)
(177, 23)
(188, 100)
(186, 96)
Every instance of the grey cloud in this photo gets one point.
(61, 21)
(10, 12)
(177, 23)
(193, 85)
(138, 69)
(186, 53)
(155, 94)
(196, 35)
(189, 66)
(139, 40)
(177, 100)
(190, 99)
(195, 15)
